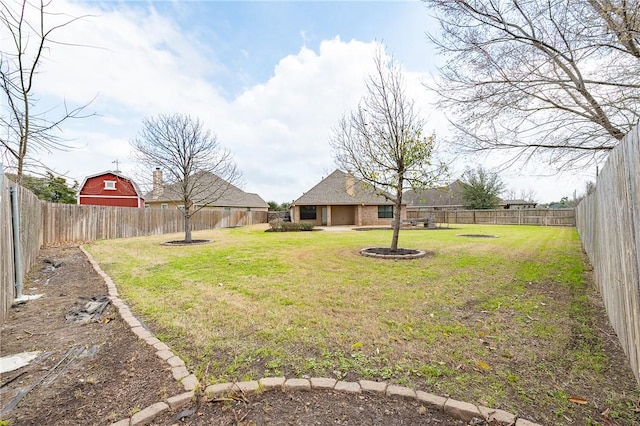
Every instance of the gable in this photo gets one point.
(342, 188)
(109, 184)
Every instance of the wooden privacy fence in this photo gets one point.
(30, 237)
(543, 217)
(63, 223)
(609, 225)
(44, 224)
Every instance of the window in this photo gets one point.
(180, 206)
(164, 206)
(307, 212)
(109, 184)
(385, 212)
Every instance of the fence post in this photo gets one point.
(17, 253)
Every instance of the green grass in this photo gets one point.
(507, 321)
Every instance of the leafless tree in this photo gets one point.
(382, 141)
(197, 170)
(25, 39)
(525, 194)
(557, 79)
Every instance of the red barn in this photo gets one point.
(110, 189)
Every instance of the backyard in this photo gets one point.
(511, 322)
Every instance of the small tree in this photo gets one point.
(481, 189)
(50, 188)
(273, 206)
(198, 169)
(28, 129)
(382, 141)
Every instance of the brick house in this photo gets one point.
(341, 199)
(212, 190)
(450, 198)
(110, 189)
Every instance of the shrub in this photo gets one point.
(306, 226)
(278, 225)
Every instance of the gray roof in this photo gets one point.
(340, 188)
(211, 190)
(450, 195)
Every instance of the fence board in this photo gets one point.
(609, 225)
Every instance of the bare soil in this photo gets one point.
(99, 372)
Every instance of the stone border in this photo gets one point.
(179, 243)
(457, 409)
(418, 255)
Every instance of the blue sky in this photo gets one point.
(271, 79)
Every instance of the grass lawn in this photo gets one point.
(510, 322)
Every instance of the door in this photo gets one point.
(324, 216)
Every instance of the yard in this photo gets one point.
(511, 322)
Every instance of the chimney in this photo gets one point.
(349, 184)
(157, 183)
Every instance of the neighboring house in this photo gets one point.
(340, 199)
(215, 193)
(517, 204)
(450, 198)
(110, 189)
(444, 198)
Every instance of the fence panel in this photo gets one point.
(7, 274)
(66, 223)
(609, 225)
(542, 217)
(30, 216)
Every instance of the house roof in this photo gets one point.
(342, 188)
(212, 190)
(136, 188)
(518, 202)
(450, 195)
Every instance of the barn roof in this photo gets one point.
(136, 188)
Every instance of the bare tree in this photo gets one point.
(382, 141)
(526, 194)
(198, 170)
(555, 78)
(25, 41)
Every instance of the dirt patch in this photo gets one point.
(477, 236)
(316, 407)
(106, 373)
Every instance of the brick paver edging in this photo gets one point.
(457, 409)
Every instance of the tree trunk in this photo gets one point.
(397, 208)
(396, 227)
(187, 226)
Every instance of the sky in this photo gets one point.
(270, 78)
